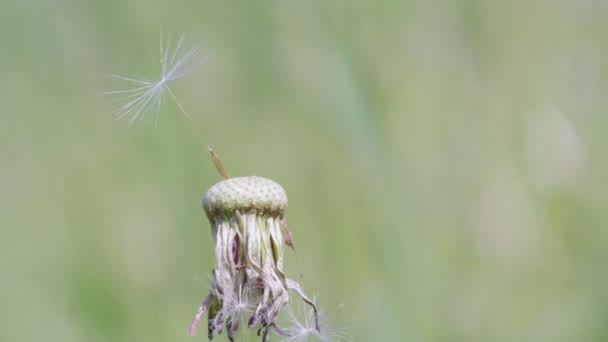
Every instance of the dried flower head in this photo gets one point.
(248, 286)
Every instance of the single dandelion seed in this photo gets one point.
(248, 287)
(141, 103)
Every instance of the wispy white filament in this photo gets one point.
(141, 103)
(299, 325)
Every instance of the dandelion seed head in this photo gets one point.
(141, 102)
(248, 286)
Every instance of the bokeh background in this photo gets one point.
(446, 164)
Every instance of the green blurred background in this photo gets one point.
(446, 164)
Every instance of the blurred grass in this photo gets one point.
(445, 162)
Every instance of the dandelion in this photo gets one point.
(248, 286)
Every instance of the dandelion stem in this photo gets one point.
(214, 156)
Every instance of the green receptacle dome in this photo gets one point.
(245, 194)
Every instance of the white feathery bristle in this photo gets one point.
(142, 102)
(239, 304)
(299, 326)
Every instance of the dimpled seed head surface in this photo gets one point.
(245, 194)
